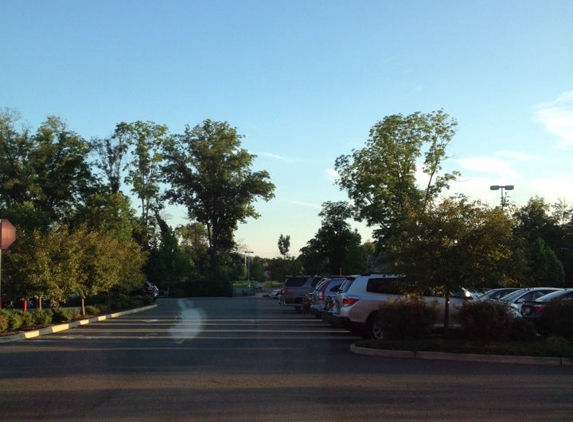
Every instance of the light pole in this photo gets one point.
(249, 266)
(504, 188)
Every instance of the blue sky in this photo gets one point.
(304, 81)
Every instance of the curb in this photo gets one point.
(73, 324)
(407, 354)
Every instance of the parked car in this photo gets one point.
(533, 310)
(495, 294)
(518, 297)
(150, 289)
(295, 289)
(357, 302)
(316, 300)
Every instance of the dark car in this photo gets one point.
(495, 294)
(150, 289)
(295, 289)
(533, 310)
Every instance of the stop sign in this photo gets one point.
(7, 233)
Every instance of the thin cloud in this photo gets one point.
(275, 157)
(306, 204)
(557, 118)
(490, 165)
(331, 175)
(516, 156)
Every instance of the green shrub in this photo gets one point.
(28, 320)
(563, 328)
(485, 320)
(93, 310)
(406, 319)
(63, 314)
(558, 318)
(42, 317)
(3, 321)
(522, 330)
(15, 321)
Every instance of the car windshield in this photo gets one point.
(496, 293)
(553, 295)
(512, 296)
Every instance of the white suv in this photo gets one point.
(358, 300)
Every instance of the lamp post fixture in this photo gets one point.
(249, 266)
(503, 189)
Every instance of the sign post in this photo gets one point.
(7, 237)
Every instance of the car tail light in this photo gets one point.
(537, 308)
(348, 301)
(322, 292)
(284, 291)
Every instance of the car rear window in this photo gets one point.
(384, 286)
(316, 280)
(346, 285)
(295, 281)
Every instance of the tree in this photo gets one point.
(328, 251)
(109, 213)
(210, 174)
(548, 241)
(380, 179)
(545, 269)
(455, 244)
(148, 140)
(284, 245)
(111, 155)
(167, 265)
(47, 170)
(43, 265)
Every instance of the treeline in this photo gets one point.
(441, 242)
(91, 214)
(70, 200)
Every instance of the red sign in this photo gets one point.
(7, 233)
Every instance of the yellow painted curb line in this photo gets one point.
(61, 327)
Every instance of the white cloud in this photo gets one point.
(307, 204)
(274, 156)
(498, 167)
(557, 118)
(331, 175)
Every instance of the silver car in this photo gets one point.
(519, 297)
(318, 299)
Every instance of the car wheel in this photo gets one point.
(374, 329)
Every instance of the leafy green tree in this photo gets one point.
(457, 243)
(42, 265)
(111, 155)
(109, 213)
(16, 175)
(312, 258)
(61, 169)
(210, 174)
(168, 265)
(327, 252)
(106, 263)
(47, 170)
(380, 179)
(284, 245)
(544, 230)
(147, 141)
(545, 269)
